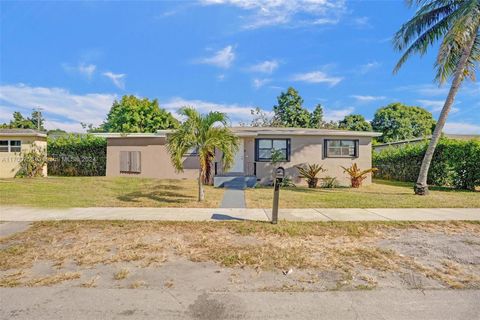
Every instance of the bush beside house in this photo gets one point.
(77, 155)
(455, 163)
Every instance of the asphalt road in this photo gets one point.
(91, 303)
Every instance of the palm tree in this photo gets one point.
(456, 24)
(203, 133)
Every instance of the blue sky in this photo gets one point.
(73, 59)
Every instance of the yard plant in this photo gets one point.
(456, 23)
(32, 163)
(310, 172)
(455, 163)
(203, 133)
(356, 175)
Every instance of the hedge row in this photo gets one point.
(455, 163)
(77, 155)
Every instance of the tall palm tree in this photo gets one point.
(456, 24)
(203, 133)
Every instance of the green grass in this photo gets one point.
(65, 192)
(380, 194)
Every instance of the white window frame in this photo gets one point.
(9, 146)
(327, 147)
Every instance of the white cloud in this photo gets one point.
(118, 79)
(361, 98)
(425, 89)
(317, 77)
(62, 109)
(222, 58)
(258, 83)
(336, 114)
(365, 68)
(323, 21)
(267, 66)
(86, 70)
(286, 12)
(361, 22)
(237, 113)
(461, 128)
(435, 105)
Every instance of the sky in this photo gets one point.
(72, 59)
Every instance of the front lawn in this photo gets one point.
(380, 194)
(65, 192)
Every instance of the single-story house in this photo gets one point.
(146, 154)
(401, 143)
(13, 142)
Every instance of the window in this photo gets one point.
(265, 147)
(10, 146)
(3, 145)
(130, 162)
(192, 152)
(341, 148)
(15, 145)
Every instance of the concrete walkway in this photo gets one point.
(94, 303)
(212, 214)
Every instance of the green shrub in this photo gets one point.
(77, 155)
(455, 163)
(32, 162)
(329, 182)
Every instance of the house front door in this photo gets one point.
(239, 157)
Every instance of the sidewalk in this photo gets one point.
(222, 214)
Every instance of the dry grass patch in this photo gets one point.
(121, 274)
(52, 279)
(320, 246)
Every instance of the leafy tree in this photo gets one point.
(35, 121)
(456, 23)
(316, 117)
(399, 122)
(132, 114)
(202, 133)
(355, 122)
(329, 125)
(56, 132)
(289, 110)
(260, 119)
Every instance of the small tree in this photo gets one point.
(289, 110)
(132, 114)
(310, 173)
(356, 175)
(202, 133)
(32, 162)
(355, 122)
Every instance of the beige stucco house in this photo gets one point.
(146, 155)
(13, 142)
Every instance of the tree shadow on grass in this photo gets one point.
(157, 196)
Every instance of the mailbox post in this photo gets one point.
(279, 175)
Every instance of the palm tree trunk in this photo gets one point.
(421, 187)
(201, 192)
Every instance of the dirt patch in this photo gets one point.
(232, 256)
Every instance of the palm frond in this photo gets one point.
(423, 41)
(454, 43)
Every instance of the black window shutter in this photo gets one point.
(256, 149)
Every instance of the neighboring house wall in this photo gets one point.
(154, 159)
(9, 161)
